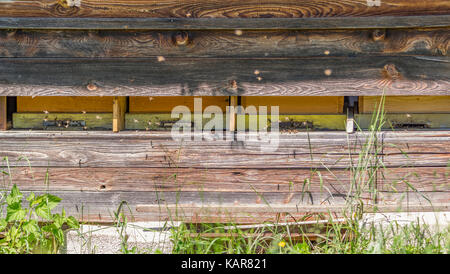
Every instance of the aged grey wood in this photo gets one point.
(303, 150)
(225, 23)
(335, 76)
(100, 206)
(281, 180)
(250, 44)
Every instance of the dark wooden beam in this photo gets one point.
(326, 76)
(432, 21)
(221, 9)
(223, 44)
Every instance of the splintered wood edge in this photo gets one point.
(224, 23)
(187, 208)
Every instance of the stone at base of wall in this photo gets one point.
(151, 237)
(146, 237)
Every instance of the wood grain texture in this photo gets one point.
(149, 149)
(397, 22)
(407, 121)
(99, 206)
(283, 180)
(328, 76)
(3, 114)
(220, 44)
(119, 109)
(406, 104)
(221, 9)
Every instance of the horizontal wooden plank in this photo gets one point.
(406, 104)
(300, 150)
(221, 9)
(284, 181)
(100, 206)
(433, 21)
(220, 44)
(328, 76)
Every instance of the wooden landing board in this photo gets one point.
(63, 121)
(222, 44)
(334, 76)
(406, 104)
(72, 104)
(222, 9)
(407, 121)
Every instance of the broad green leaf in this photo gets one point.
(50, 200)
(14, 212)
(31, 226)
(15, 196)
(73, 223)
(3, 224)
(31, 197)
(43, 211)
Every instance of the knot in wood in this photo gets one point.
(91, 87)
(181, 38)
(378, 34)
(66, 7)
(390, 71)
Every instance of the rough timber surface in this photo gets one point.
(222, 9)
(327, 76)
(221, 44)
(95, 171)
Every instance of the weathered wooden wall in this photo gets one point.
(99, 170)
(110, 50)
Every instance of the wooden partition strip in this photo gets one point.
(3, 114)
(119, 109)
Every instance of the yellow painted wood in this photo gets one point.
(160, 121)
(36, 120)
(71, 104)
(3, 114)
(165, 104)
(298, 104)
(119, 108)
(407, 121)
(232, 115)
(406, 104)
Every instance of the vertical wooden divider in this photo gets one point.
(119, 108)
(3, 114)
(233, 105)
